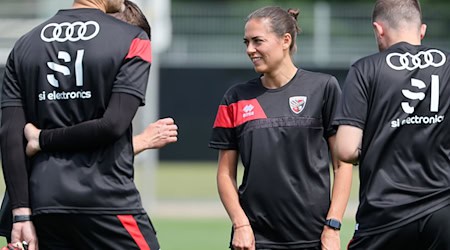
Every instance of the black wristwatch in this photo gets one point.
(333, 223)
(21, 218)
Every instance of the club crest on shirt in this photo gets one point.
(297, 103)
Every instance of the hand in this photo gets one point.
(330, 239)
(24, 231)
(32, 135)
(156, 135)
(14, 246)
(160, 133)
(243, 238)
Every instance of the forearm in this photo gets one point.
(341, 185)
(341, 190)
(84, 136)
(330, 238)
(227, 187)
(139, 144)
(14, 160)
(94, 133)
(230, 200)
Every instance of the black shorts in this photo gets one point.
(429, 232)
(80, 231)
(308, 248)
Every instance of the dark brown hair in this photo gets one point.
(132, 14)
(281, 22)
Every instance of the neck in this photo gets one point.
(79, 4)
(408, 39)
(279, 77)
(405, 34)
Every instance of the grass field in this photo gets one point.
(190, 190)
(210, 234)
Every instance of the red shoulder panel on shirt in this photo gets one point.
(238, 113)
(141, 48)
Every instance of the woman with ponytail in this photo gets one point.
(279, 124)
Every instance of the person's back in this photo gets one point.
(69, 66)
(405, 146)
(394, 119)
(85, 78)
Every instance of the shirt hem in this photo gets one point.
(290, 245)
(401, 223)
(355, 123)
(75, 210)
(221, 146)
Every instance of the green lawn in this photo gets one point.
(190, 180)
(210, 234)
(196, 182)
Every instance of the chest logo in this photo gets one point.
(248, 111)
(297, 103)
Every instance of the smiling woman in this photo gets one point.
(279, 124)
(270, 40)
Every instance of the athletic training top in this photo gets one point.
(400, 98)
(64, 72)
(281, 135)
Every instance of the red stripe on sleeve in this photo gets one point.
(248, 110)
(238, 113)
(224, 117)
(141, 48)
(131, 226)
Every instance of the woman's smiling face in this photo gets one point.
(264, 47)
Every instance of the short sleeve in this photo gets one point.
(332, 95)
(352, 108)
(223, 134)
(11, 94)
(133, 75)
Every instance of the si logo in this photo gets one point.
(297, 103)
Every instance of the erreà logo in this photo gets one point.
(297, 103)
(248, 111)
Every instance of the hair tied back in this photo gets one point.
(294, 13)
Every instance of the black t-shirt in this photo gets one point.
(64, 72)
(400, 98)
(281, 136)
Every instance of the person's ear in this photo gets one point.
(423, 30)
(287, 40)
(378, 29)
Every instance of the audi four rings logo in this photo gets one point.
(62, 32)
(423, 59)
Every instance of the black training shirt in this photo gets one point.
(400, 98)
(62, 73)
(281, 136)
